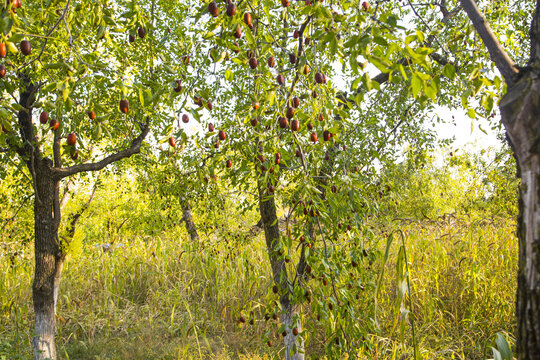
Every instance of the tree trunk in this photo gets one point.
(520, 109)
(47, 212)
(187, 217)
(49, 260)
(294, 347)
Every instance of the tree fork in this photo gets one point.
(46, 176)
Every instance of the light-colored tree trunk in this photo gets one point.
(187, 218)
(294, 345)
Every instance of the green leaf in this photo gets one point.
(249, 36)
(270, 98)
(381, 64)
(488, 105)
(66, 92)
(238, 61)
(410, 39)
(430, 91)
(12, 47)
(4, 114)
(208, 35)
(7, 125)
(380, 40)
(503, 347)
(214, 54)
(449, 71)
(6, 23)
(368, 84)
(196, 115)
(416, 84)
(148, 98)
(420, 35)
(326, 12)
(333, 43)
(355, 84)
(229, 76)
(101, 31)
(55, 66)
(16, 38)
(401, 69)
(222, 56)
(141, 97)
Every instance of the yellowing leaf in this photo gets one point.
(416, 84)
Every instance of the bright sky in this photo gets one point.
(467, 132)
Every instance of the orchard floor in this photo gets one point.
(157, 299)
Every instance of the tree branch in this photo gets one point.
(535, 36)
(14, 215)
(56, 149)
(47, 37)
(26, 100)
(65, 196)
(60, 173)
(440, 59)
(498, 55)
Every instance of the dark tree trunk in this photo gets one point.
(46, 177)
(187, 217)
(520, 109)
(294, 347)
(48, 253)
(48, 261)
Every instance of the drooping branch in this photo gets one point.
(60, 173)
(497, 53)
(298, 55)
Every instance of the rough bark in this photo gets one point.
(49, 260)
(48, 254)
(187, 218)
(520, 110)
(520, 114)
(294, 346)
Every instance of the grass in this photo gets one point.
(463, 279)
(160, 297)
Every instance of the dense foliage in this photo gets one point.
(297, 111)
